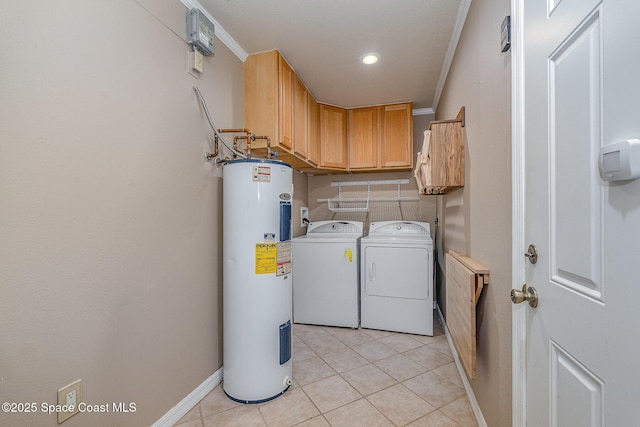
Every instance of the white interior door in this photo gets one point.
(580, 91)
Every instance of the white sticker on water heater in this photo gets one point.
(283, 260)
(261, 174)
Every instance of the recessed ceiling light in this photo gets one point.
(369, 58)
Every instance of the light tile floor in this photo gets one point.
(349, 377)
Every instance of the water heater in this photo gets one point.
(257, 196)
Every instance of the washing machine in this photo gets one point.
(325, 274)
(397, 278)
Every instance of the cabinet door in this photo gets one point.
(286, 104)
(262, 94)
(313, 129)
(300, 141)
(364, 137)
(333, 137)
(397, 145)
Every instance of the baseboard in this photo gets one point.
(463, 376)
(192, 399)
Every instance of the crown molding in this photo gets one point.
(423, 111)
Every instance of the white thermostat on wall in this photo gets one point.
(200, 32)
(620, 161)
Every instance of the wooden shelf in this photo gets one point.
(464, 283)
(446, 154)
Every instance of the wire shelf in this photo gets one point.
(353, 205)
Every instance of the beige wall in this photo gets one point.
(110, 225)
(300, 199)
(477, 218)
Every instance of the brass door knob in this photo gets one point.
(525, 294)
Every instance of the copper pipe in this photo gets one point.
(215, 147)
(246, 138)
(209, 156)
(234, 131)
(268, 144)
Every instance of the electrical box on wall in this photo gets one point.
(200, 31)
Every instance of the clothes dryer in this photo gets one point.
(325, 267)
(397, 278)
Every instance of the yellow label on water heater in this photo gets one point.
(348, 254)
(266, 257)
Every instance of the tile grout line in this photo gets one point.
(336, 373)
(397, 353)
(377, 337)
(397, 382)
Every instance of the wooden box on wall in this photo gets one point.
(446, 151)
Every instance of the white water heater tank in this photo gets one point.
(257, 311)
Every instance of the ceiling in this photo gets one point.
(323, 41)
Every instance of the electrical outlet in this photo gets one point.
(69, 397)
(304, 216)
(198, 61)
(191, 63)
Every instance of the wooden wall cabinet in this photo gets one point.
(333, 137)
(265, 91)
(312, 136)
(381, 138)
(446, 151)
(269, 105)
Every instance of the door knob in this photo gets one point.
(525, 294)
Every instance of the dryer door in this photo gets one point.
(400, 272)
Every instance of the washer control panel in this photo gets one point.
(322, 228)
(399, 228)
